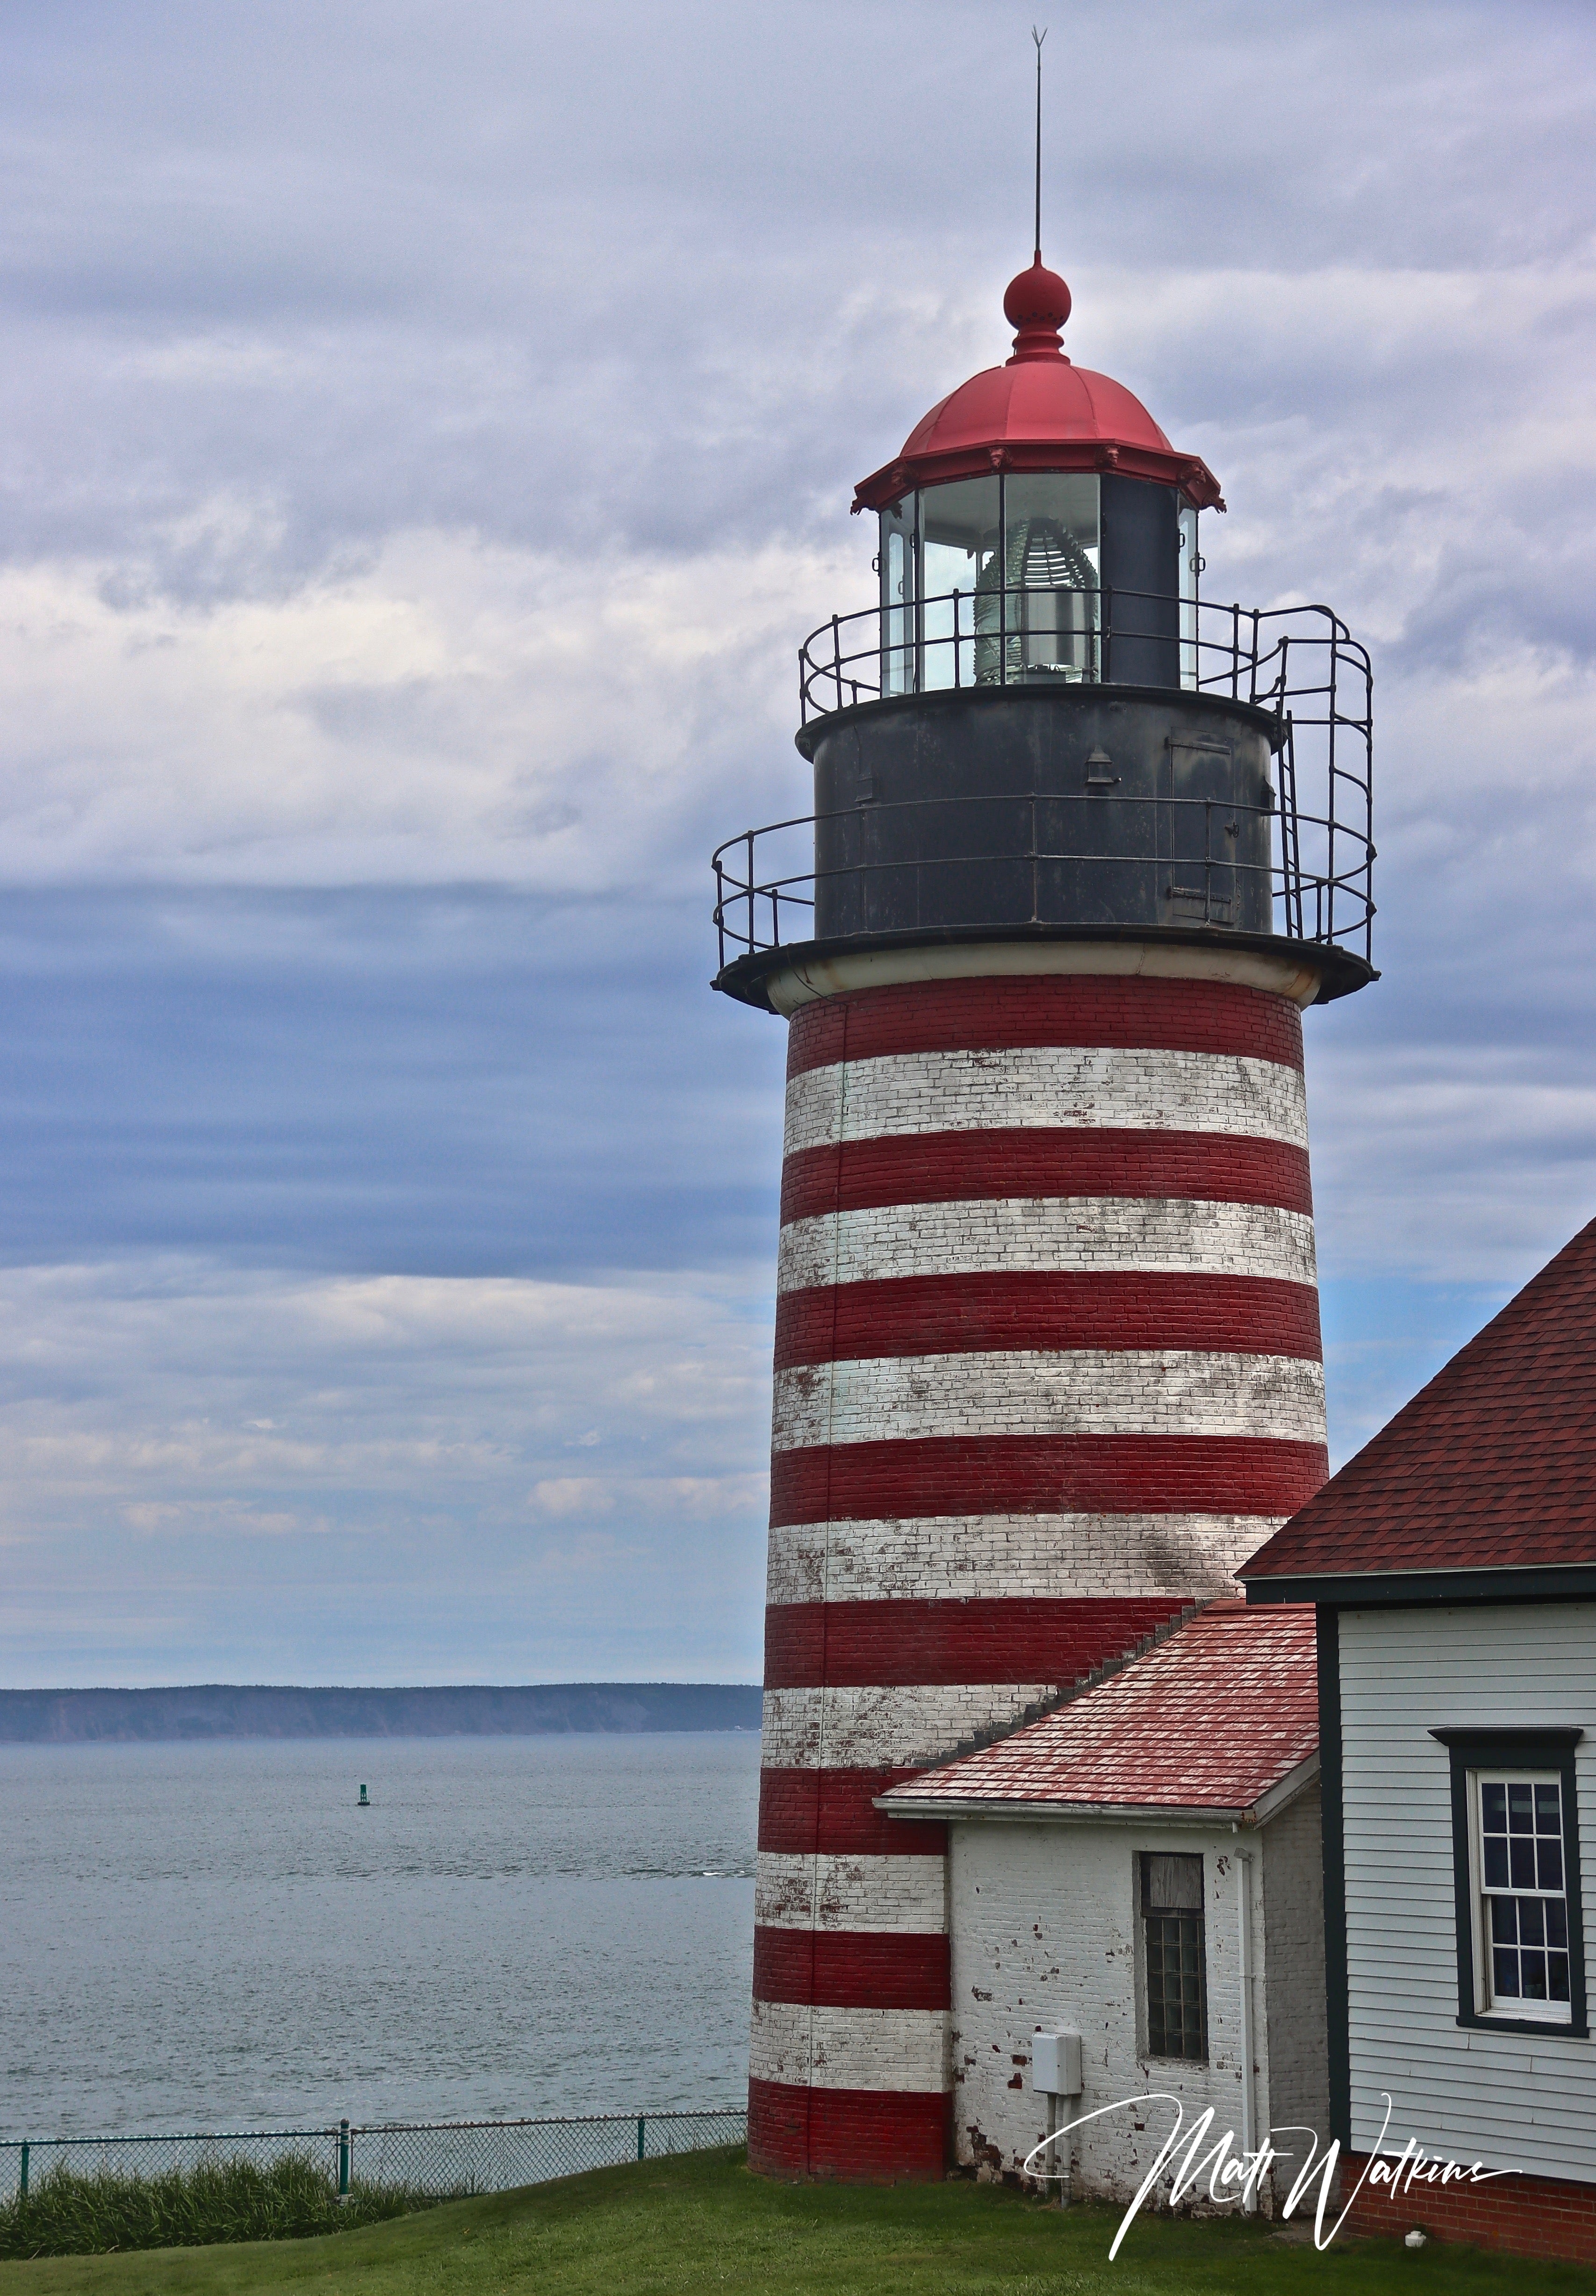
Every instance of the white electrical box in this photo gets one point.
(1056, 2063)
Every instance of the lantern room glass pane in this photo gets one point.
(896, 563)
(1052, 562)
(960, 531)
(1191, 568)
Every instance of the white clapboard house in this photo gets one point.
(1452, 1563)
(1142, 1867)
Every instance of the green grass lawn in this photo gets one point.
(702, 2222)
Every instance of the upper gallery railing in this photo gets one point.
(1299, 664)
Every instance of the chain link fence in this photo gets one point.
(446, 2158)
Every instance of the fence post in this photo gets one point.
(640, 2122)
(343, 2160)
(22, 2185)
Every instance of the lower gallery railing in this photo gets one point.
(442, 2157)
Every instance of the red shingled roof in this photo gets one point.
(1211, 1720)
(1491, 1467)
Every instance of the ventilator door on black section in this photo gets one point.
(1141, 580)
(1219, 848)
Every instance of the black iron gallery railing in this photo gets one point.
(1300, 664)
(1028, 635)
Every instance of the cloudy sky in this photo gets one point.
(425, 434)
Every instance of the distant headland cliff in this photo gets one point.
(223, 1709)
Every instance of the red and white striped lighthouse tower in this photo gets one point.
(1047, 1359)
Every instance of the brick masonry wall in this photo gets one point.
(1518, 2215)
(1048, 1366)
(926, 1094)
(1025, 1390)
(933, 1314)
(992, 1014)
(1189, 1237)
(1000, 1556)
(950, 1168)
(1045, 1932)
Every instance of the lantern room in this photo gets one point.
(1021, 502)
(1042, 729)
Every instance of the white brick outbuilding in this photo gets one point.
(1192, 1775)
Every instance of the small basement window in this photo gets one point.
(1175, 1957)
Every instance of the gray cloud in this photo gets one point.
(444, 1083)
(375, 1477)
(663, 277)
(425, 439)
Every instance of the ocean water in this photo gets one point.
(217, 1937)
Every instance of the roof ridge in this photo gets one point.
(1488, 1466)
(1220, 1697)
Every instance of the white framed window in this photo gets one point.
(1520, 1894)
(1515, 1851)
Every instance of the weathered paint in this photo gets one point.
(1050, 1086)
(1049, 1367)
(1045, 1931)
(1048, 1235)
(922, 1557)
(1037, 1391)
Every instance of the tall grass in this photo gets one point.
(69, 2214)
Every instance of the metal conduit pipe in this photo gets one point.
(1250, 2196)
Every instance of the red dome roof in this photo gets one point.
(1038, 413)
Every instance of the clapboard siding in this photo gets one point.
(1513, 2100)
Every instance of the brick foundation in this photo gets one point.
(1520, 2215)
(855, 2136)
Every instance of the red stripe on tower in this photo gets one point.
(1048, 1368)
(971, 1315)
(1024, 1011)
(961, 1166)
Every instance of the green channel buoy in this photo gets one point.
(366, 1800)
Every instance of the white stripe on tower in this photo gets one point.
(1152, 1091)
(918, 1558)
(1046, 1235)
(1048, 1367)
(1033, 1392)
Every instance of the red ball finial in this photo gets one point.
(1037, 305)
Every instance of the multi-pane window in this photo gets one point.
(1172, 1907)
(1516, 1880)
(1523, 1901)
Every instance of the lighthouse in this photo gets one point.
(1084, 845)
